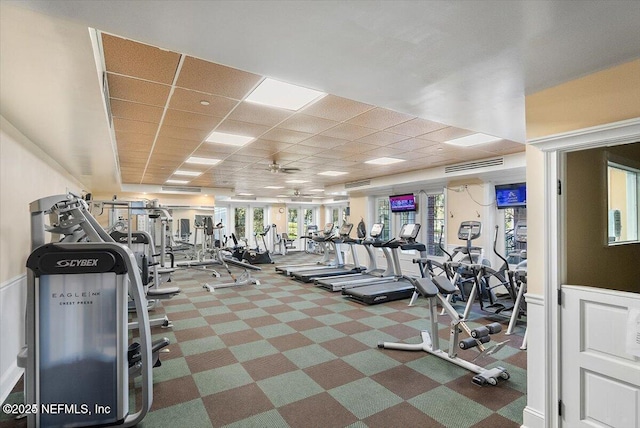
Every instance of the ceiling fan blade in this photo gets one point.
(289, 170)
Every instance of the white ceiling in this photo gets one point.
(465, 64)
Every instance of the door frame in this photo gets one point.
(554, 149)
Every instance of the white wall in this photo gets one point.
(26, 174)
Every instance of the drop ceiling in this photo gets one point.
(401, 78)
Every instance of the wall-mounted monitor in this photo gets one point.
(402, 203)
(511, 195)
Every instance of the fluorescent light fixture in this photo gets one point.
(176, 181)
(274, 93)
(332, 173)
(245, 194)
(229, 139)
(282, 196)
(187, 173)
(384, 161)
(316, 190)
(274, 187)
(473, 140)
(296, 181)
(203, 161)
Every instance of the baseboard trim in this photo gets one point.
(531, 418)
(9, 380)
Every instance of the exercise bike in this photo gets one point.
(253, 255)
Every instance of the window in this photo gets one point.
(292, 222)
(240, 220)
(258, 219)
(623, 209)
(513, 217)
(220, 215)
(335, 216)
(382, 216)
(307, 215)
(435, 223)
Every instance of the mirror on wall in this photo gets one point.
(623, 205)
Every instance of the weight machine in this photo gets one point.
(77, 321)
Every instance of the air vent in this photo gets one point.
(357, 184)
(340, 198)
(245, 198)
(181, 189)
(473, 165)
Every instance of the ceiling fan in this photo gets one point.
(276, 168)
(297, 195)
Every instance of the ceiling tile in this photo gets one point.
(215, 151)
(242, 128)
(383, 152)
(323, 141)
(125, 125)
(135, 111)
(411, 144)
(355, 147)
(256, 113)
(286, 136)
(184, 119)
(138, 91)
(216, 79)
(380, 118)
(183, 133)
(305, 150)
(305, 123)
(187, 100)
(255, 150)
(347, 131)
(446, 134)
(133, 141)
(336, 108)
(139, 60)
(271, 146)
(415, 127)
(382, 138)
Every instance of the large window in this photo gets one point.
(307, 214)
(382, 216)
(292, 223)
(258, 220)
(435, 223)
(513, 217)
(240, 222)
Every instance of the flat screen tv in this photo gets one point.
(511, 195)
(402, 203)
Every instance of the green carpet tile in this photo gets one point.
(288, 354)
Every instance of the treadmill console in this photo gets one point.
(328, 229)
(376, 230)
(409, 231)
(345, 229)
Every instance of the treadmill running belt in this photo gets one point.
(380, 293)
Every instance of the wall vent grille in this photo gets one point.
(473, 165)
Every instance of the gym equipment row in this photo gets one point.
(78, 288)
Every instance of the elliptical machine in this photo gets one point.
(255, 256)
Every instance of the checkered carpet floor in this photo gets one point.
(288, 354)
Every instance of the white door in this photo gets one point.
(600, 380)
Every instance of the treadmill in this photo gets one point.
(371, 275)
(322, 239)
(340, 268)
(396, 288)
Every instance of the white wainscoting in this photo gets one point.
(13, 294)
(600, 379)
(533, 415)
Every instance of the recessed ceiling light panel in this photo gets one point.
(229, 139)
(203, 161)
(274, 93)
(473, 140)
(176, 181)
(316, 190)
(332, 173)
(187, 173)
(296, 181)
(384, 161)
(273, 187)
